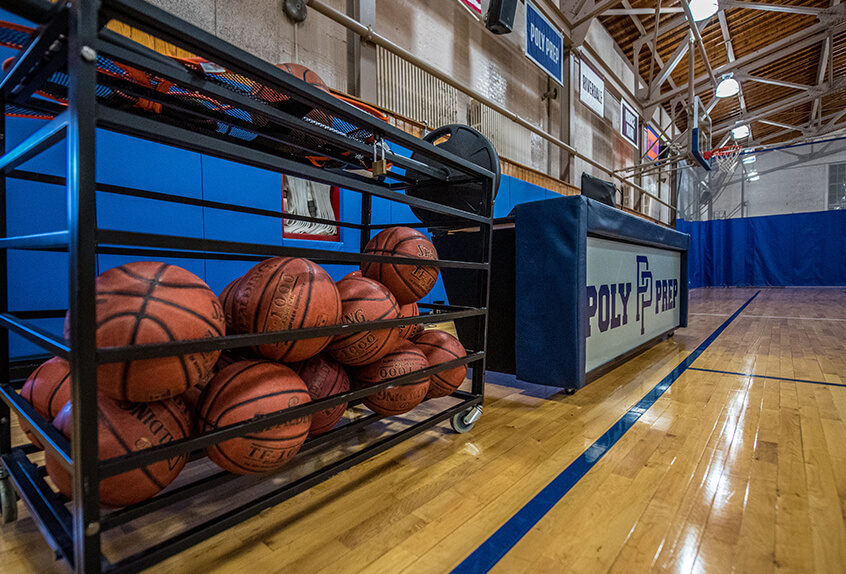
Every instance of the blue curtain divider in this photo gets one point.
(800, 249)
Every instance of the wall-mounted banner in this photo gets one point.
(592, 89)
(652, 144)
(628, 123)
(475, 6)
(632, 297)
(544, 44)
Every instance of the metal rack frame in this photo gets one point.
(71, 36)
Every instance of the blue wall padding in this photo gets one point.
(800, 249)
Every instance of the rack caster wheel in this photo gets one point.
(464, 421)
(569, 392)
(8, 501)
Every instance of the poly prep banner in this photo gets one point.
(544, 44)
(632, 297)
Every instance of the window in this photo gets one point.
(837, 186)
(309, 198)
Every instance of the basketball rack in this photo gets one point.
(72, 43)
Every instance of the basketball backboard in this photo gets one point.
(700, 134)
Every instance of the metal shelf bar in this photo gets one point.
(171, 198)
(136, 125)
(47, 434)
(54, 240)
(50, 515)
(43, 138)
(259, 423)
(136, 57)
(45, 340)
(198, 244)
(153, 350)
(176, 31)
(218, 524)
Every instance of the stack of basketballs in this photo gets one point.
(155, 401)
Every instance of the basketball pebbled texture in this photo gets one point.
(324, 377)
(284, 293)
(47, 389)
(125, 427)
(240, 392)
(226, 298)
(404, 359)
(408, 283)
(364, 300)
(440, 347)
(151, 302)
(409, 331)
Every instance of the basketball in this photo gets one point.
(365, 300)
(286, 293)
(150, 302)
(305, 75)
(356, 273)
(324, 377)
(295, 107)
(440, 347)
(47, 389)
(410, 310)
(404, 359)
(240, 392)
(408, 283)
(225, 298)
(126, 427)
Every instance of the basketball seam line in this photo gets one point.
(162, 284)
(169, 303)
(107, 423)
(135, 328)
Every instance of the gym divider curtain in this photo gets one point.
(800, 249)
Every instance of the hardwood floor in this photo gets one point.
(726, 472)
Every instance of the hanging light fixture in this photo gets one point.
(754, 177)
(748, 159)
(740, 132)
(727, 87)
(703, 9)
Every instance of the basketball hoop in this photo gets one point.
(726, 157)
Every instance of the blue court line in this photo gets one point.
(767, 377)
(509, 534)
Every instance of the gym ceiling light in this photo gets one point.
(740, 132)
(727, 87)
(755, 177)
(748, 159)
(703, 9)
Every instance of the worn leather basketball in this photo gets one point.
(285, 293)
(240, 392)
(126, 427)
(407, 282)
(47, 389)
(440, 347)
(364, 300)
(324, 377)
(151, 302)
(404, 359)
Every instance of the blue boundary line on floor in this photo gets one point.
(768, 377)
(509, 534)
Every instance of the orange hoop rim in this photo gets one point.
(728, 150)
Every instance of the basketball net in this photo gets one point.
(725, 157)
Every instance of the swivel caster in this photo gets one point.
(464, 421)
(8, 500)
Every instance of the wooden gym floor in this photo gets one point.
(739, 466)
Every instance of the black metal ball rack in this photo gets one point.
(72, 39)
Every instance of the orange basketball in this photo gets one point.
(365, 300)
(286, 293)
(47, 389)
(404, 359)
(150, 302)
(410, 310)
(304, 74)
(324, 377)
(298, 108)
(408, 283)
(440, 347)
(356, 273)
(129, 427)
(240, 392)
(226, 297)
